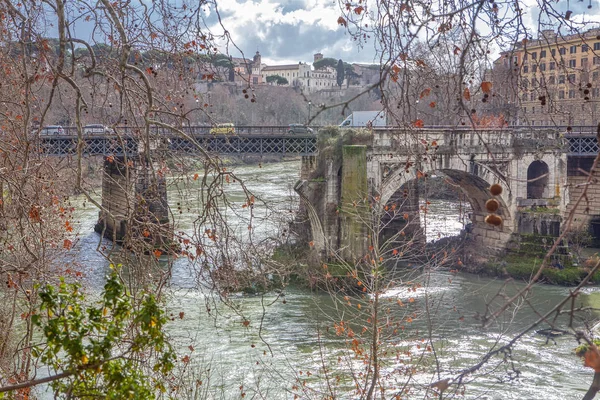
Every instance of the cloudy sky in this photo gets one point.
(289, 31)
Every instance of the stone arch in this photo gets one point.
(537, 180)
(476, 190)
(476, 184)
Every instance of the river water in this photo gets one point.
(286, 344)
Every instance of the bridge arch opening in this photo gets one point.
(457, 205)
(537, 180)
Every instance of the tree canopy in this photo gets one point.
(325, 62)
(340, 73)
(280, 80)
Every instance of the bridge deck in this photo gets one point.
(119, 145)
(575, 141)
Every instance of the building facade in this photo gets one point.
(291, 72)
(254, 72)
(552, 80)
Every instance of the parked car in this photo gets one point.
(52, 130)
(96, 129)
(223, 129)
(299, 129)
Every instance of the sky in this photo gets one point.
(290, 31)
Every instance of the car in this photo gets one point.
(223, 129)
(299, 129)
(52, 130)
(96, 129)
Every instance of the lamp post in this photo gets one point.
(208, 110)
(309, 104)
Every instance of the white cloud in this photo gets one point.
(288, 31)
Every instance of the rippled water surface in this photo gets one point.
(287, 335)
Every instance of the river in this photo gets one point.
(287, 343)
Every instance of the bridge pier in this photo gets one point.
(134, 202)
(355, 215)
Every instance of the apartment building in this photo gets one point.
(552, 80)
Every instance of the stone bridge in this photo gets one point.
(537, 168)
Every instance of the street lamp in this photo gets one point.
(309, 104)
(208, 109)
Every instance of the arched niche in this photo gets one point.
(537, 180)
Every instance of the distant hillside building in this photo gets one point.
(297, 75)
(254, 72)
(248, 71)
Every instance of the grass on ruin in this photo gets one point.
(522, 267)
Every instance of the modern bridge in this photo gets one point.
(127, 141)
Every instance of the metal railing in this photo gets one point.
(131, 144)
(577, 140)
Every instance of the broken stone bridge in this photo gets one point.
(369, 184)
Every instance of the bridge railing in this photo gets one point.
(575, 140)
(190, 129)
(131, 144)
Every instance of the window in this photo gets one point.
(561, 94)
(534, 55)
(524, 97)
(571, 78)
(595, 76)
(584, 48)
(562, 51)
(572, 63)
(596, 61)
(553, 52)
(524, 110)
(571, 94)
(584, 63)
(596, 92)
(542, 67)
(551, 80)
(533, 110)
(573, 49)
(561, 79)
(532, 97)
(525, 69)
(543, 54)
(534, 68)
(552, 65)
(597, 46)
(255, 80)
